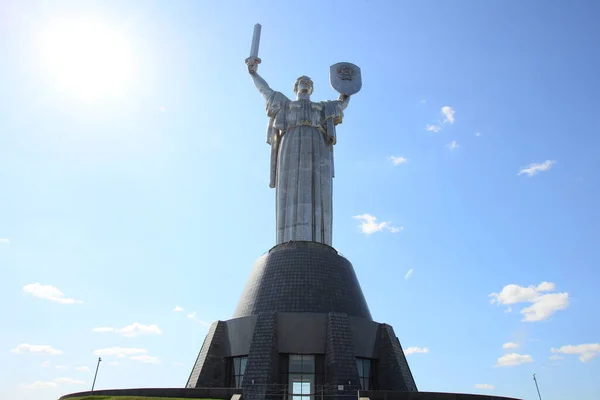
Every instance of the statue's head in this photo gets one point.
(303, 85)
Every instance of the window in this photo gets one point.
(364, 373)
(238, 370)
(301, 376)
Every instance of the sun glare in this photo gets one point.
(88, 58)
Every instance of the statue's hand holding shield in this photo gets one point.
(345, 78)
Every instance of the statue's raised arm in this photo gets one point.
(260, 83)
(252, 62)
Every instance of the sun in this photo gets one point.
(87, 57)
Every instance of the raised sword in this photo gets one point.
(253, 58)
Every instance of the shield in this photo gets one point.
(345, 78)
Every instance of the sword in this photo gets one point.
(253, 58)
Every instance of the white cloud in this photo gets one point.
(63, 367)
(69, 381)
(484, 386)
(585, 351)
(433, 128)
(408, 274)
(397, 160)
(555, 357)
(41, 385)
(120, 351)
(53, 384)
(448, 114)
(477, 134)
(509, 309)
(545, 287)
(512, 293)
(178, 309)
(542, 305)
(370, 225)
(135, 329)
(453, 145)
(512, 359)
(534, 168)
(36, 349)
(510, 345)
(415, 350)
(545, 305)
(146, 359)
(192, 315)
(48, 292)
(4, 241)
(82, 369)
(45, 364)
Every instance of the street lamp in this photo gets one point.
(96, 374)
(536, 386)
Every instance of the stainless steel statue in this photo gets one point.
(302, 134)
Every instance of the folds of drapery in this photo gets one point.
(301, 167)
(276, 102)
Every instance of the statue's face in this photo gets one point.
(304, 85)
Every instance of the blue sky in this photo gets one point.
(134, 179)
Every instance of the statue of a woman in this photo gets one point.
(301, 134)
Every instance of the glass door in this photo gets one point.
(300, 388)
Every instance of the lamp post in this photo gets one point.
(96, 374)
(536, 386)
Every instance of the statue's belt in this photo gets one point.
(306, 123)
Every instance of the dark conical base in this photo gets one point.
(302, 298)
(302, 277)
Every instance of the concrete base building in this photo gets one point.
(302, 327)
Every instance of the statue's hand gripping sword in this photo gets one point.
(252, 61)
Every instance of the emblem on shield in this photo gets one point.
(345, 78)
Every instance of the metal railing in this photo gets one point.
(282, 392)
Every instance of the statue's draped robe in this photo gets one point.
(302, 134)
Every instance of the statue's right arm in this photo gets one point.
(262, 86)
